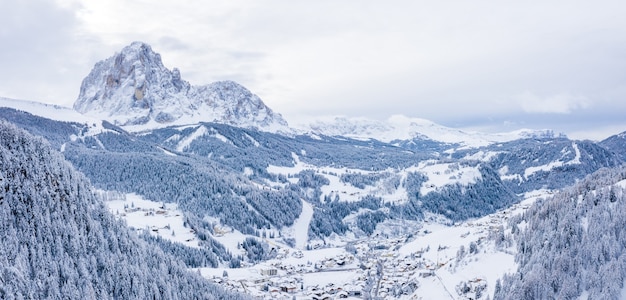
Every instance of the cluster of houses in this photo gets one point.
(378, 269)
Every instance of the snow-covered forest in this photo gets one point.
(572, 244)
(60, 242)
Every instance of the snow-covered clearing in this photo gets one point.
(215, 134)
(182, 145)
(199, 132)
(230, 238)
(482, 155)
(300, 228)
(167, 152)
(160, 219)
(440, 175)
(255, 142)
(547, 167)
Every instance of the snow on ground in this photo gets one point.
(440, 175)
(49, 111)
(345, 191)
(302, 270)
(199, 132)
(255, 142)
(167, 152)
(428, 256)
(547, 167)
(300, 228)
(482, 155)
(230, 238)
(55, 112)
(330, 277)
(439, 244)
(215, 134)
(160, 219)
(182, 145)
(621, 184)
(576, 159)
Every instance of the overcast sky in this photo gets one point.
(483, 65)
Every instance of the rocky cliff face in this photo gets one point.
(134, 89)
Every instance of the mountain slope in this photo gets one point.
(616, 144)
(58, 240)
(135, 90)
(572, 245)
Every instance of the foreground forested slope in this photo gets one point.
(573, 244)
(59, 241)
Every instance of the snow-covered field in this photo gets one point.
(576, 160)
(300, 228)
(162, 219)
(439, 175)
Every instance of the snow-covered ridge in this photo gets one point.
(50, 111)
(399, 127)
(55, 112)
(134, 90)
(559, 163)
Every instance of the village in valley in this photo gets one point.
(402, 259)
(435, 260)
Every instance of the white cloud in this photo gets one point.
(562, 103)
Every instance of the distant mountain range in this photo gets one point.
(134, 90)
(400, 128)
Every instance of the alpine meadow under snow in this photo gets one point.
(151, 187)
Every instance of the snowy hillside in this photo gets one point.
(615, 144)
(133, 89)
(58, 241)
(571, 246)
(53, 112)
(399, 127)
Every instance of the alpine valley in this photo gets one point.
(150, 187)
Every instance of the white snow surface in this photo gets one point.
(182, 145)
(400, 127)
(54, 112)
(300, 228)
(160, 219)
(547, 167)
(442, 174)
(439, 175)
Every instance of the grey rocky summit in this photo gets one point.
(133, 87)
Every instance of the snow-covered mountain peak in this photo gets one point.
(133, 89)
(236, 105)
(349, 127)
(400, 127)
